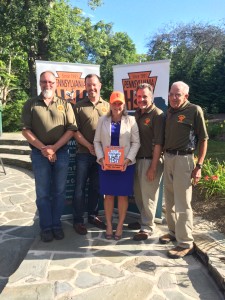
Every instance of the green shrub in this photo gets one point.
(212, 182)
(11, 116)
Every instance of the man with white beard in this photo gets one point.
(48, 124)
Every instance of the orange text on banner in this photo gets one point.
(130, 84)
(70, 86)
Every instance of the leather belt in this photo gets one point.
(144, 157)
(180, 152)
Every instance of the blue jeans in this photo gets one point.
(50, 182)
(86, 168)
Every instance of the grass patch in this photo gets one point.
(216, 151)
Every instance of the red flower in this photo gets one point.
(206, 178)
(214, 177)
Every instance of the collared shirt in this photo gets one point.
(48, 123)
(87, 115)
(185, 126)
(151, 126)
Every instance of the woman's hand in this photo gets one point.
(125, 164)
(102, 162)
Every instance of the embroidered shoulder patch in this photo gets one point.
(181, 118)
(60, 107)
(147, 121)
(104, 110)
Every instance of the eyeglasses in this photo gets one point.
(176, 95)
(46, 81)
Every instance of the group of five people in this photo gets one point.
(150, 141)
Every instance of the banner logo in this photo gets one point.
(130, 84)
(70, 86)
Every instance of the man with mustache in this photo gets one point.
(48, 124)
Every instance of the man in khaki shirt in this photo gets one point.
(48, 124)
(149, 166)
(87, 113)
(185, 130)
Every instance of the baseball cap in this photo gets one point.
(117, 96)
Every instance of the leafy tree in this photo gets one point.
(194, 49)
(26, 25)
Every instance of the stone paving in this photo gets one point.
(90, 267)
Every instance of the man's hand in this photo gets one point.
(52, 158)
(48, 150)
(92, 149)
(151, 173)
(196, 175)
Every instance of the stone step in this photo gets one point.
(15, 149)
(13, 138)
(22, 161)
(13, 142)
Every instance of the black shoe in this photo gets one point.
(141, 236)
(58, 233)
(96, 222)
(167, 238)
(80, 228)
(47, 236)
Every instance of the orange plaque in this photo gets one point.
(114, 158)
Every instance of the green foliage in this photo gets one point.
(215, 129)
(11, 116)
(212, 182)
(197, 53)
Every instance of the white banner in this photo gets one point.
(156, 73)
(69, 78)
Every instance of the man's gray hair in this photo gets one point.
(183, 85)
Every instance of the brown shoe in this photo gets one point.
(141, 236)
(96, 222)
(167, 238)
(80, 228)
(179, 252)
(134, 226)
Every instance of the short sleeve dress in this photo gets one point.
(114, 182)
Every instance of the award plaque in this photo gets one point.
(114, 158)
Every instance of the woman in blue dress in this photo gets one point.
(116, 129)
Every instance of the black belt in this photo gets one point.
(144, 157)
(180, 152)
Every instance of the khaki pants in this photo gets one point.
(178, 195)
(147, 193)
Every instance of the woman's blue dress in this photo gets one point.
(116, 183)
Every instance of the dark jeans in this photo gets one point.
(86, 168)
(50, 182)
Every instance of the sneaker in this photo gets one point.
(46, 236)
(96, 222)
(80, 228)
(141, 236)
(135, 225)
(167, 238)
(58, 233)
(179, 252)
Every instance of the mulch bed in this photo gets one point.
(212, 209)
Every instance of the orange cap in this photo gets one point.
(117, 96)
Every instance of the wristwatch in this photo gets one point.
(199, 166)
